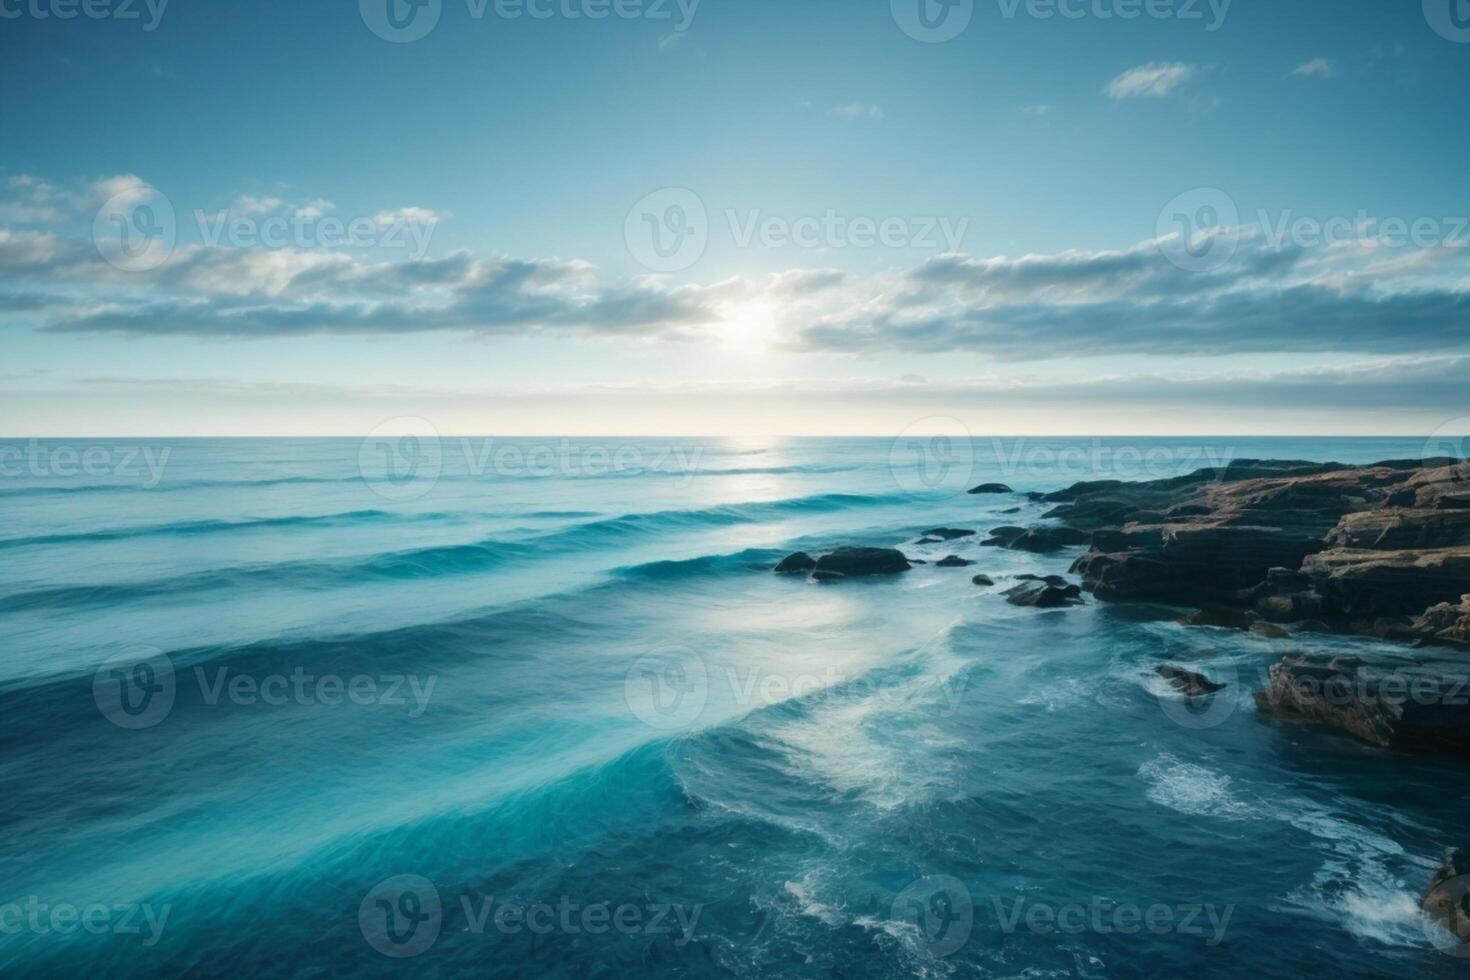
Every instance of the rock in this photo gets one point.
(1188, 682)
(948, 533)
(1011, 510)
(1039, 596)
(1035, 495)
(827, 576)
(853, 562)
(798, 561)
(1230, 619)
(1043, 540)
(953, 561)
(992, 488)
(1446, 622)
(1056, 580)
(983, 580)
(1407, 707)
(1368, 549)
(930, 541)
(1269, 631)
(1447, 900)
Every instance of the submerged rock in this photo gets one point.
(953, 561)
(1188, 682)
(1447, 900)
(982, 580)
(1038, 540)
(1219, 616)
(948, 533)
(798, 561)
(992, 488)
(1409, 707)
(854, 562)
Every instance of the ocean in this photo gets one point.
(539, 708)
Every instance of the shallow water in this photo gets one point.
(557, 684)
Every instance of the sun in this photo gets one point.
(747, 327)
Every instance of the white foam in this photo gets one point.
(1193, 789)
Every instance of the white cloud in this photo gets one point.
(1155, 79)
(856, 110)
(1316, 68)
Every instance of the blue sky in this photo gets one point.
(881, 229)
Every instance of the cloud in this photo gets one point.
(1267, 298)
(856, 110)
(1316, 68)
(1155, 79)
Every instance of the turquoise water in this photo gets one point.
(534, 708)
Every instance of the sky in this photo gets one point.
(734, 217)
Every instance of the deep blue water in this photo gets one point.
(247, 686)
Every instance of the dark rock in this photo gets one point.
(1011, 510)
(1269, 631)
(1230, 619)
(992, 488)
(1038, 596)
(1042, 540)
(1447, 900)
(797, 562)
(1035, 495)
(931, 541)
(852, 562)
(948, 533)
(1368, 549)
(827, 576)
(1406, 707)
(1188, 682)
(953, 561)
(983, 580)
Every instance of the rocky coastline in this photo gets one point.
(1277, 547)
